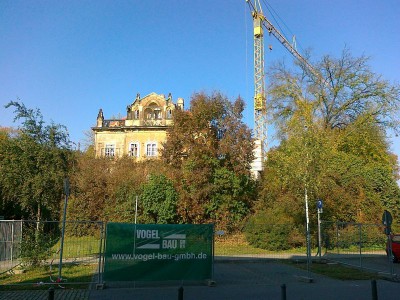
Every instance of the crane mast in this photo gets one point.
(260, 109)
(260, 106)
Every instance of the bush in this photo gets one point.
(36, 244)
(274, 236)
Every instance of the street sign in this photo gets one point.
(320, 204)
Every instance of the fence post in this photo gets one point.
(66, 192)
(12, 243)
(337, 237)
(213, 253)
(101, 254)
(360, 242)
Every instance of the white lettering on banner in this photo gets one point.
(147, 234)
(159, 256)
(168, 242)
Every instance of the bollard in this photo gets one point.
(180, 293)
(51, 294)
(374, 290)
(283, 290)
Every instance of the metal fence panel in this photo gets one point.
(357, 244)
(23, 244)
(36, 252)
(10, 239)
(157, 252)
(263, 241)
(353, 238)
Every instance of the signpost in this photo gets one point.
(136, 203)
(319, 212)
(156, 252)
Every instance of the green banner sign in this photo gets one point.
(140, 252)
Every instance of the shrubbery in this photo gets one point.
(263, 232)
(37, 242)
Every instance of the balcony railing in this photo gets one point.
(121, 123)
(113, 123)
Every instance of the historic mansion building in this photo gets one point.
(141, 133)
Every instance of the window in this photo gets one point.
(151, 149)
(134, 149)
(157, 114)
(109, 150)
(153, 112)
(136, 114)
(148, 113)
(169, 114)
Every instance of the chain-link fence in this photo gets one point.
(353, 238)
(10, 239)
(357, 244)
(32, 253)
(263, 240)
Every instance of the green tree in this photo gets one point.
(34, 161)
(231, 200)
(89, 188)
(207, 145)
(333, 133)
(347, 91)
(158, 200)
(105, 189)
(355, 185)
(333, 144)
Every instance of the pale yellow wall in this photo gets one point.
(121, 133)
(122, 140)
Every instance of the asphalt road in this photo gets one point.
(257, 280)
(240, 279)
(377, 263)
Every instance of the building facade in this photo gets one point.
(141, 133)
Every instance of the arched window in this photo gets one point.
(153, 112)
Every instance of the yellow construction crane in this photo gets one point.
(260, 22)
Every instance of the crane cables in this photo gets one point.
(273, 13)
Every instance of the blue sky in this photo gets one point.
(70, 58)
